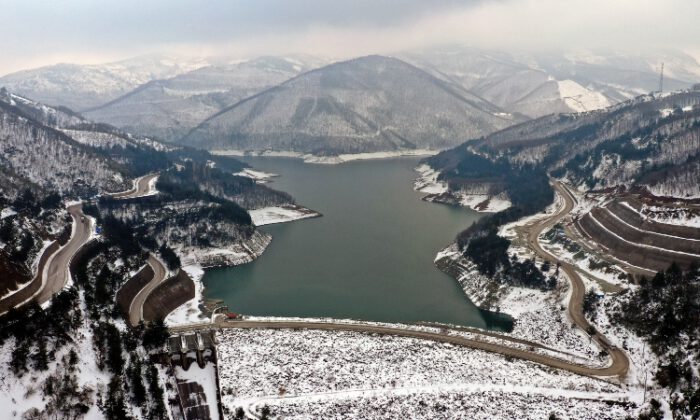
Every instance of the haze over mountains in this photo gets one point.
(169, 108)
(369, 104)
(84, 86)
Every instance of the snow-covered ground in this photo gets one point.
(669, 215)
(437, 191)
(206, 378)
(189, 312)
(299, 372)
(427, 181)
(456, 402)
(152, 190)
(342, 158)
(540, 316)
(18, 395)
(7, 212)
(259, 176)
(280, 214)
(579, 98)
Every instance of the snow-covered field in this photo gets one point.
(280, 214)
(477, 402)
(312, 374)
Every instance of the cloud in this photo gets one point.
(36, 32)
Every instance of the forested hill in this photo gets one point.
(651, 141)
(49, 156)
(368, 104)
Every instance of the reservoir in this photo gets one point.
(369, 257)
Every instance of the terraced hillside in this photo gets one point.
(628, 235)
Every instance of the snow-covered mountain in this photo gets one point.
(652, 141)
(85, 86)
(38, 153)
(541, 84)
(170, 108)
(368, 104)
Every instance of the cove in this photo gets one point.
(369, 257)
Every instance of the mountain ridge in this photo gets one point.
(359, 99)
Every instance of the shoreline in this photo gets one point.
(194, 309)
(327, 160)
(437, 191)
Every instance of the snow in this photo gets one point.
(427, 182)
(342, 158)
(438, 191)
(369, 156)
(205, 377)
(456, 402)
(579, 98)
(152, 187)
(668, 215)
(18, 395)
(189, 313)
(280, 214)
(640, 244)
(485, 203)
(650, 232)
(7, 212)
(291, 367)
(259, 176)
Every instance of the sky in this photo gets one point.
(41, 32)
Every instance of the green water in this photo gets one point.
(369, 257)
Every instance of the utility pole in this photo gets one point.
(661, 79)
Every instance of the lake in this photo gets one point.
(369, 257)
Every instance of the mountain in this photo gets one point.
(650, 142)
(86, 86)
(170, 108)
(36, 152)
(368, 104)
(539, 84)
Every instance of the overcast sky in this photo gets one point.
(34, 32)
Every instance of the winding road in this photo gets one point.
(136, 306)
(56, 274)
(142, 187)
(578, 289)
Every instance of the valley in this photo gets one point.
(453, 232)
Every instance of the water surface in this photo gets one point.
(369, 257)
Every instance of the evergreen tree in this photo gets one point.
(136, 379)
(156, 334)
(114, 407)
(158, 406)
(40, 358)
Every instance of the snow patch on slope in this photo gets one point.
(580, 99)
(280, 214)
